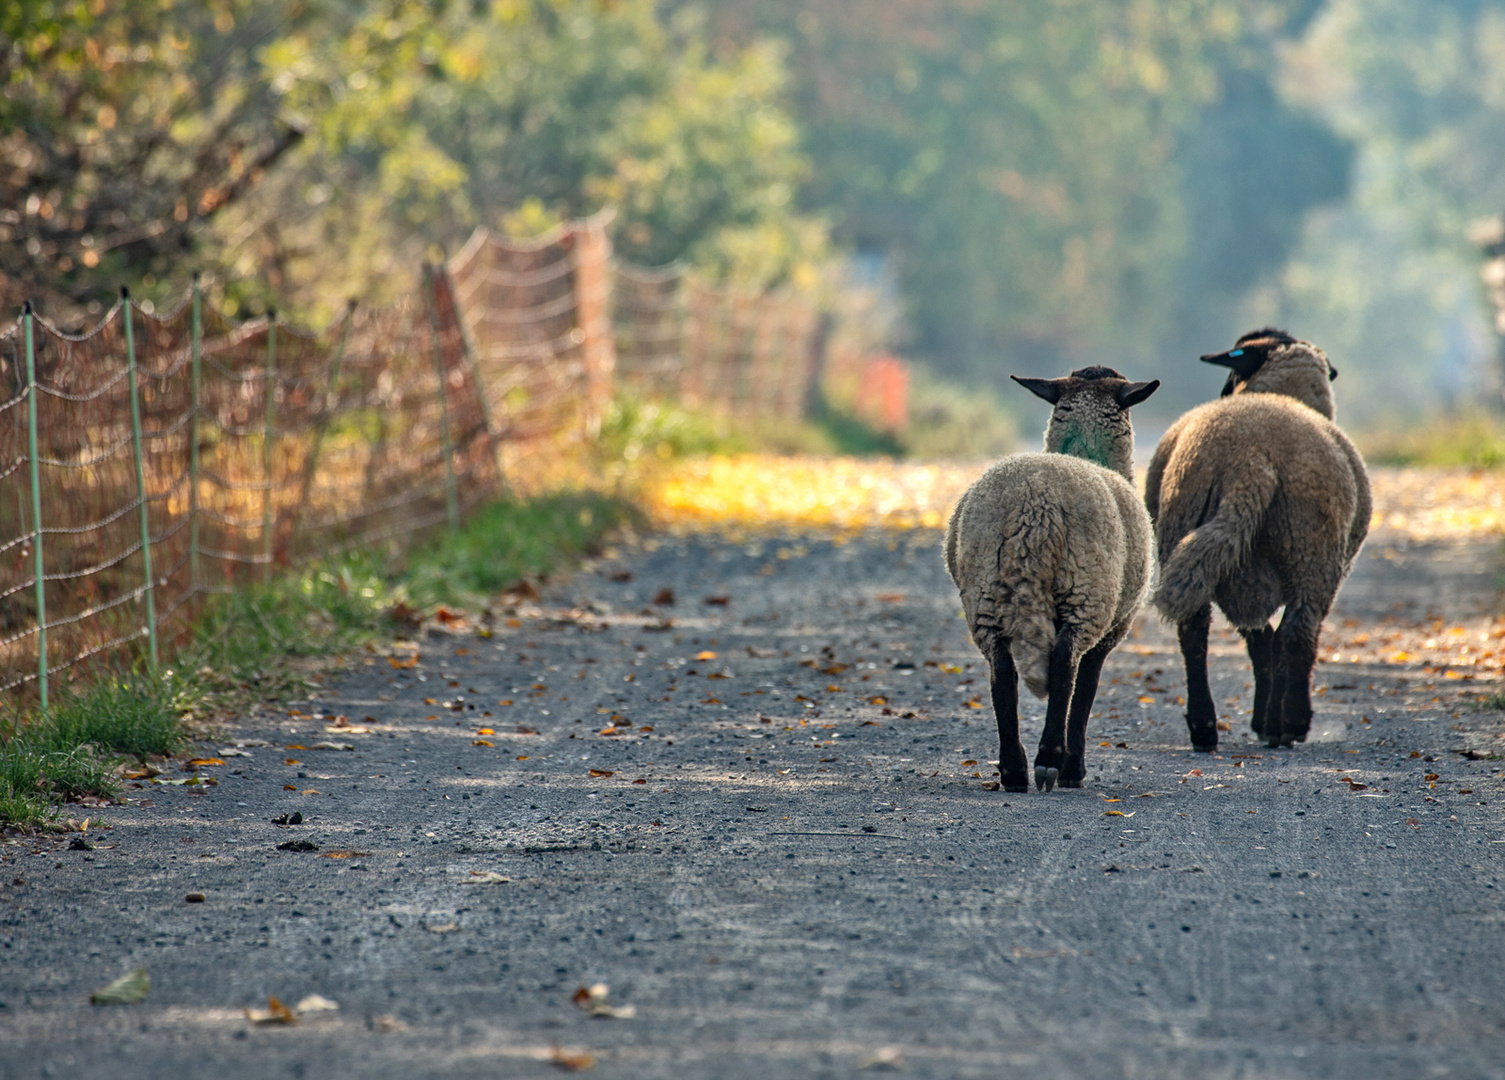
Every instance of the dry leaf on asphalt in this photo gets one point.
(572, 1060)
(126, 990)
(596, 1001)
(316, 1003)
(274, 1013)
(484, 877)
(885, 1057)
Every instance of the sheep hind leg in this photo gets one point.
(1051, 755)
(1201, 713)
(1295, 655)
(1261, 643)
(1004, 679)
(1074, 770)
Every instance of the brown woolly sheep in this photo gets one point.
(1259, 501)
(1051, 555)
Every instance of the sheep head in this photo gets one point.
(1271, 361)
(1090, 419)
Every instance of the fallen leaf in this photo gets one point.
(890, 597)
(194, 898)
(595, 1000)
(345, 855)
(485, 731)
(316, 1003)
(481, 742)
(295, 746)
(197, 762)
(289, 787)
(505, 701)
(1105, 744)
(970, 761)
(717, 601)
(126, 990)
(1118, 813)
(485, 877)
(274, 1013)
(1143, 700)
(640, 780)
(328, 746)
(291, 761)
(410, 662)
(601, 772)
(298, 845)
(1432, 776)
(706, 654)
(572, 1060)
(885, 1057)
(387, 1022)
(664, 597)
(443, 928)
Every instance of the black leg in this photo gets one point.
(1012, 764)
(1201, 714)
(1261, 645)
(1074, 771)
(1051, 755)
(1291, 695)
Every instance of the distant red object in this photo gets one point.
(883, 393)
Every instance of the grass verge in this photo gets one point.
(255, 643)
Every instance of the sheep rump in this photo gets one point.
(1042, 542)
(1256, 499)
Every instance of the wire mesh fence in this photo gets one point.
(157, 460)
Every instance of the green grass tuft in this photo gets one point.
(127, 715)
(511, 540)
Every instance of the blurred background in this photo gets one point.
(975, 187)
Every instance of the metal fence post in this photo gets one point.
(266, 447)
(451, 493)
(36, 503)
(193, 440)
(146, 535)
(332, 394)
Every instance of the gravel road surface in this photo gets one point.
(760, 817)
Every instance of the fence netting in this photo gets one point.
(185, 454)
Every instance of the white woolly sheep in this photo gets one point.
(1259, 501)
(1051, 554)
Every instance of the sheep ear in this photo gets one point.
(1332, 372)
(1244, 361)
(1046, 389)
(1131, 394)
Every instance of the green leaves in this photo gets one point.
(126, 990)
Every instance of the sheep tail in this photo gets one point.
(1201, 559)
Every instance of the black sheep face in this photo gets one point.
(1271, 361)
(1091, 415)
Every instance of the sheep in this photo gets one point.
(1259, 500)
(1052, 556)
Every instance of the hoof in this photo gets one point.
(1288, 740)
(1272, 742)
(1045, 779)
(1205, 748)
(1070, 783)
(1017, 789)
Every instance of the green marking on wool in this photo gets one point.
(1089, 445)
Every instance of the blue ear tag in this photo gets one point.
(1237, 352)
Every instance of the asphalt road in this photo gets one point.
(786, 862)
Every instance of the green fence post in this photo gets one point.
(146, 535)
(36, 503)
(451, 493)
(266, 447)
(193, 441)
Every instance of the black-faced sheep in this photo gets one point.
(1259, 501)
(1051, 554)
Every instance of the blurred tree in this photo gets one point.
(125, 128)
(1054, 179)
(425, 122)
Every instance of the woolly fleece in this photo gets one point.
(1042, 540)
(1257, 501)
